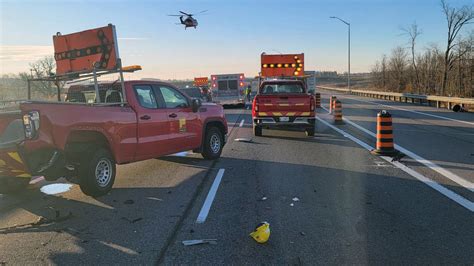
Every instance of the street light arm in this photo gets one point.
(343, 21)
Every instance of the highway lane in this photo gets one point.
(352, 208)
(427, 131)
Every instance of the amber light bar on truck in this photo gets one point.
(282, 65)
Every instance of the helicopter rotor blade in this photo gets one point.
(174, 15)
(185, 13)
(202, 12)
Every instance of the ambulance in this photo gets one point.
(228, 89)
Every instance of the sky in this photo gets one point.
(230, 37)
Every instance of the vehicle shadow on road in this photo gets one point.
(127, 226)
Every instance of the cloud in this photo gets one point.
(24, 52)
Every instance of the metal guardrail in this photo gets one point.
(432, 100)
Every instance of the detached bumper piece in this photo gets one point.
(12, 165)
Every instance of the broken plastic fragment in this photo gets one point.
(199, 241)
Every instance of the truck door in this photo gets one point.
(154, 137)
(185, 126)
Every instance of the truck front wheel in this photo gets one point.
(213, 144)
(97, 173)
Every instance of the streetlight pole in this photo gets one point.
(348, 52)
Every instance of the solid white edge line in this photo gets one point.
(433, 166)
(242, 122)
(206, 207)
(441, 189)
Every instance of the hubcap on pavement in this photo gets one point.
(103, 172)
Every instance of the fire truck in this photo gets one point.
(228, 89)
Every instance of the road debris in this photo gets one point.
(53, 189)
(129, 202)
(295, 199)
(263, 198)
(132, 221)
(261, 234)
(41, 221)
(247, 140)
(199, 242)
(291, 204)
(153, 198)
(302, 233)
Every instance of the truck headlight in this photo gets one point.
(31, 122)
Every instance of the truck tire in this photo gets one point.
(213, 144)
(257, 130)
(97, 173)
(310, 132)
(9, 185)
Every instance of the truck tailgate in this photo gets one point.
(284, 105)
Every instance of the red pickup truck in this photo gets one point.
(78, 138)
(281, 104)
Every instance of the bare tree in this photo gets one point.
(413, 32)
(44, 68)
(456, 19)
(397, 68)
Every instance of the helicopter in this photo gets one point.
(187, 19)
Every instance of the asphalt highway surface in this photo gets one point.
(327, 198)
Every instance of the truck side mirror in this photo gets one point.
(196, 103)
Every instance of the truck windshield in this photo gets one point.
(281, 88)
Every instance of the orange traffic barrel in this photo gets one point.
(338, 112)
(318, 100)
(331, 103)
(384, 145)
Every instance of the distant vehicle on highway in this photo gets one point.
(198, 93)
(228, 89)
(282, 100)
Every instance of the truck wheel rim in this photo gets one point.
(103, 172)
(215, 143)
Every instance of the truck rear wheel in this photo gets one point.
(213, 144)
(97, 173)
(257, 130)
(310, 132)
(9, 185)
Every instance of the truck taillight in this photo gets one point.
(241, 84)
(312, 104)
(241, 77)
(255, 104)
(214, 85)
(31, 123)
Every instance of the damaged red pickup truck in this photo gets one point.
(84, 139)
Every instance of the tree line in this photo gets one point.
(432, 71)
